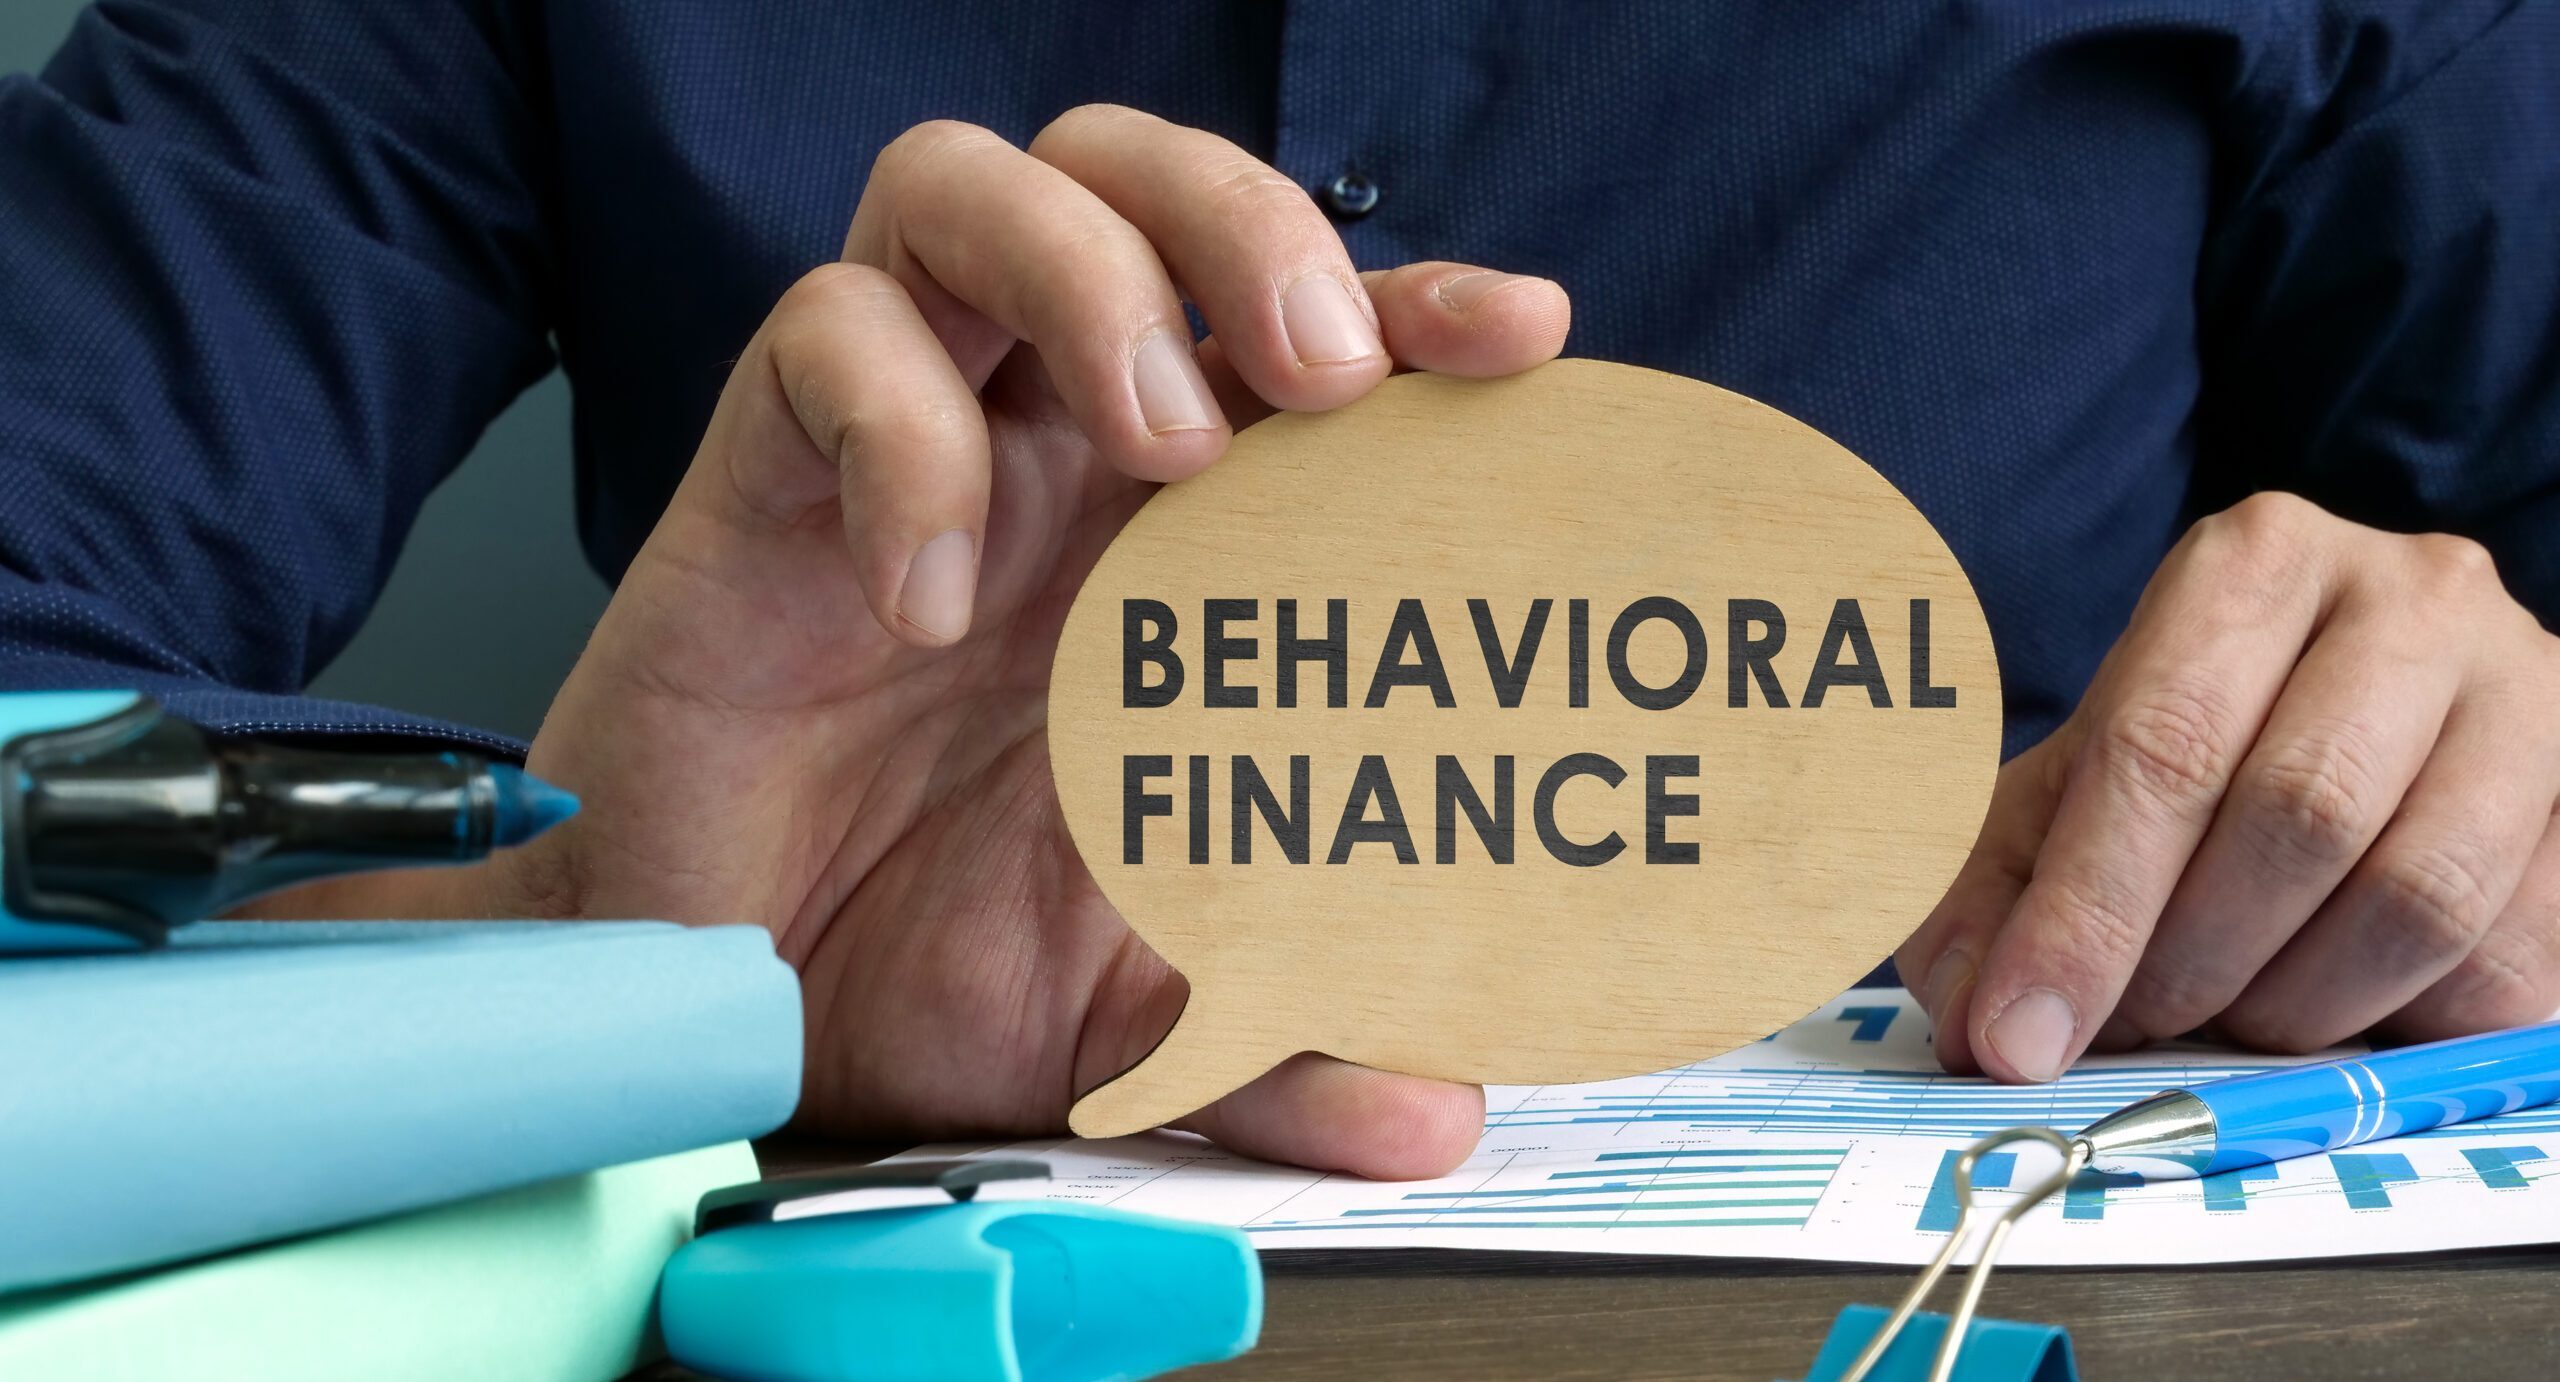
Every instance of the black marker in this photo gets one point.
(118, 821)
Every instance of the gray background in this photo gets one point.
(492, 598)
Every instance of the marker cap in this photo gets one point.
(1010, 1291)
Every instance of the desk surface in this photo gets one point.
(1476, 1315)
(1427, 1314)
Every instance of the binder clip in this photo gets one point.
(1907, 1344)
(1994, 1350)
(953, 1291)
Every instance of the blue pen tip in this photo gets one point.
(527, 805)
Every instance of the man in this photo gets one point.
(2075, 274)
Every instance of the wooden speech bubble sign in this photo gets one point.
(1622, 720)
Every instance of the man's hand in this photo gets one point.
(2309, 791)
(817, 701)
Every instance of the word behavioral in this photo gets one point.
(1232, 672)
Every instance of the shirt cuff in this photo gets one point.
(228, 710)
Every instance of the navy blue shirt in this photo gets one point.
(2070, 272)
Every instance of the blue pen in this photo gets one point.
(118, 822)
(2250, 1120)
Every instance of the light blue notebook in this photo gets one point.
(260, 1079)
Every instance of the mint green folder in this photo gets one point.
(551, 1283)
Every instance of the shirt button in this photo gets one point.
(1351, 196)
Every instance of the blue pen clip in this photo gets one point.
(1009, 1291)
(1994, 1350)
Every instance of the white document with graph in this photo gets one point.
(1836, 1140)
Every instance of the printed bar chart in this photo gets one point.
(2228, 1193)
(1990, 1172)
(2499, 1167)
(1837, 1140)
(1732, 1188)
(2086, 1196)
(2364, 1177)
(1873, 1022)
(1896, 1101)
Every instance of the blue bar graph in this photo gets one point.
(1938, 1212)
(1790, 1221)
(2086, 1196)
(2365, 1176)
(2228, 1193)
(1847, 1101)
(1687, 1152)
(1780, 1203)
(1872, 1022)
(1838, 1140)
(2496, 1166)
(1619, 1186)
(1703, 1170)
(1703, 1187)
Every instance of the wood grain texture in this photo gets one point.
(1823, 833)
(1432, 1315)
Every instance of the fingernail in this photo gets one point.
(1466, 290)
(1172, 394)
(1951, 972)
(2033, 1034)
(1325, 325)
(941, 583)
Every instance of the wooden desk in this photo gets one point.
(1431, 1314)
(1487, 1317)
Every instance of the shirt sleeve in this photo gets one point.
(270, 266)
(2380, 301)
